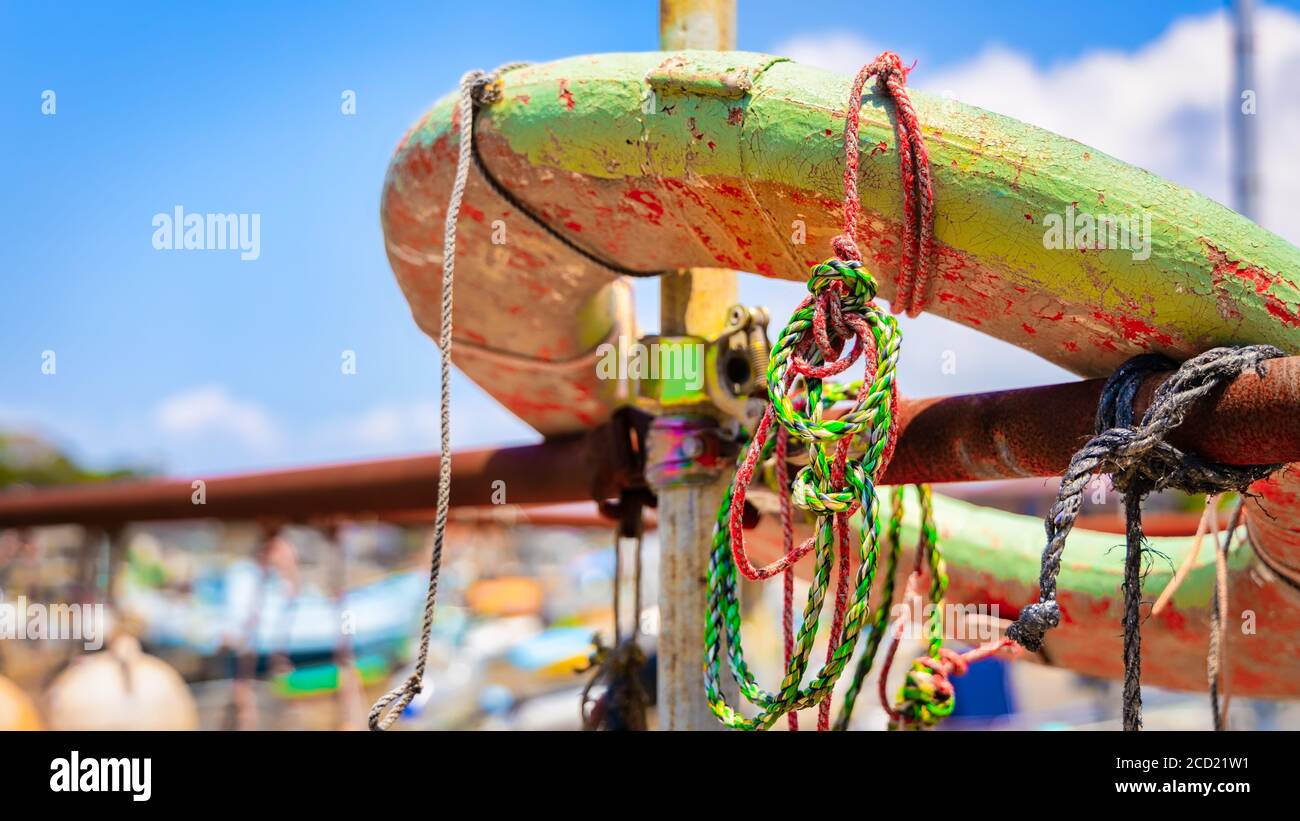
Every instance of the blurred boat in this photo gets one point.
(215, 614)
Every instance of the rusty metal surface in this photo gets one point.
(683, 463)
(1034, 431)
(550, 472)
(999, 435)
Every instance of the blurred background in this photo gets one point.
(190, 365)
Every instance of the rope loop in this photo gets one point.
(871, 414)
(811, 490)
(392, 704)
(1140, 461)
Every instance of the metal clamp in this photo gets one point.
(726, 375)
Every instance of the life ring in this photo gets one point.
(595, 168)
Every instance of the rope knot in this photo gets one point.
(927, 696)
(889, 64)
(859, 286)
(1034, 622)
(811, 489)
(846, 249)
(485, 89)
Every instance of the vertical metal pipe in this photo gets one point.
(1241, 110)
(691, 303)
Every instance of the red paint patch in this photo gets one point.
(566, 95)
(1253, 277)
(1029, 329)
(735, 116)
(879, 148)
(1134, 330)
(1171, 618)
(651, 203)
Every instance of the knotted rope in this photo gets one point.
(833, 486)
(839, 310)
(914, 174)
(476, 88)
(1139, 461)
(927, 695)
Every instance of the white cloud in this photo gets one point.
(212, 411)
(392, 425)
(1163, 107)
(841, 51)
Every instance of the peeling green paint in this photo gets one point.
(1009, 547)
(1213, 277)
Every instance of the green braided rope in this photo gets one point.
(872, 417)
(938, 568)
(880, 618)
(919, 704)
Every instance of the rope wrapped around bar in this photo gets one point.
(1140, 461)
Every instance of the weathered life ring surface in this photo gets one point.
(653, 162)
(660, 161)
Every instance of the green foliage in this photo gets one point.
(27, 460)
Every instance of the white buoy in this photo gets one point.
(17, 712)
(120, 688)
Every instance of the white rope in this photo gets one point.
(393, 703)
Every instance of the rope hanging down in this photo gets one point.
(1139, 461)
(914, 174)
(620, 665)
(839, 311)
(476, 88)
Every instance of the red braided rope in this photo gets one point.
(950, 663)
(914, 174)
(787, 544)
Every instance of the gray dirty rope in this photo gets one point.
(476, 88)
(1140, 462)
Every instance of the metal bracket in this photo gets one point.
(725, 376)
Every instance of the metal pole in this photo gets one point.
(691, 303)
(1241, 110)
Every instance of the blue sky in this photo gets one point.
(198, 362)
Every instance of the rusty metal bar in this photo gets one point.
(1034, 431)
(554, 471)
(999, 435)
